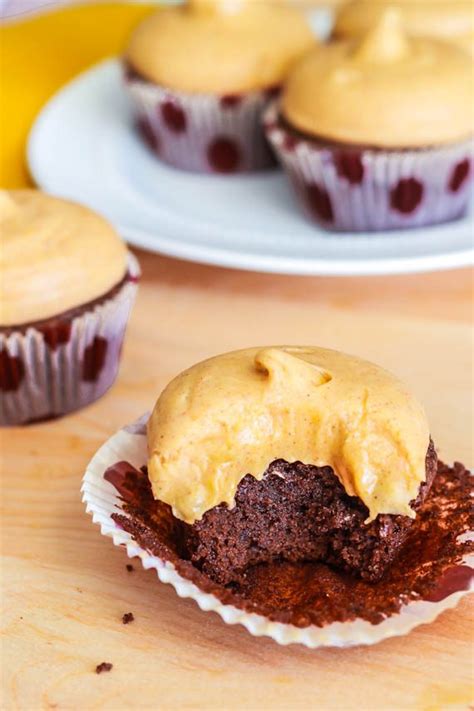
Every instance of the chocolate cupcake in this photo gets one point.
(66, 289)
(376, 134)
(293, 454)
(293, 490)
(200, 74)
(445, 19)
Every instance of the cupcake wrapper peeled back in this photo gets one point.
(65, 363)
(102, 501)
(346, 188)
(199, 132)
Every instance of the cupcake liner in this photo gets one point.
(203, 133)
(102, 501)
(64, 363)
(346, 188)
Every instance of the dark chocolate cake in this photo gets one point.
(298, 512)
(429, 564)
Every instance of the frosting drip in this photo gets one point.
(236, 413)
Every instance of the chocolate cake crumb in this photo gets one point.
(428, 565)
(103, 667)
(128, 617)
(299, 512)
(130, 567)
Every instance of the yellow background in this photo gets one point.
(38, 55)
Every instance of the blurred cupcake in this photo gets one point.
(377, 134)
(200, 75)
(446, 19)
(66, 289)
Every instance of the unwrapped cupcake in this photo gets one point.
(446, 19)
(298, 484)
(66, 289)
(376, 133)
(200, 75)
(244, 447)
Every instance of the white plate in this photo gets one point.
(83, 147)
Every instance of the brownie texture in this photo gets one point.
(297, 513)
(429, 566)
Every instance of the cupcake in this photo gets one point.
(66, 289)
(446, 19)
(290, 453)
(290, 488)
(200, 74)
(376, 134)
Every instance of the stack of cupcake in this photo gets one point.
(374, 129)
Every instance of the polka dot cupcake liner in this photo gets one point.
(62, 364)
(199, 132)
(102, 500)
(362, 189)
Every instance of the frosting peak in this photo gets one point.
(227, 7)
(446, 19)
(384, 91)
(287, 367)
(236, 413)
(385, 42)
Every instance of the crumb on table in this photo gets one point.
(128, 617)
(103, 667)
(129, 567)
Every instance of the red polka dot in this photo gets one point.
(406, 195)
(289, 142)
(459, 175)
(271, 125)
(94, 359)
(173, 116)
(56, 334)
(223, 155)
(230, 101)
(12, 371)
(148, 134)
(349, 165)
(319, 202)
(273, 92)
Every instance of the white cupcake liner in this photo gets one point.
(43, 379)
(102, 500)
(347, 188)
(203, 133)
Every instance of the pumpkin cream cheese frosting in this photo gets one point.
(236, 413)
(207, 46)
(55, 255)
(385, 90)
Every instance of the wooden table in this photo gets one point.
(66, 587)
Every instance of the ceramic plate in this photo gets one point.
(83, 147)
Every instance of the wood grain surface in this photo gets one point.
(65, 587)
